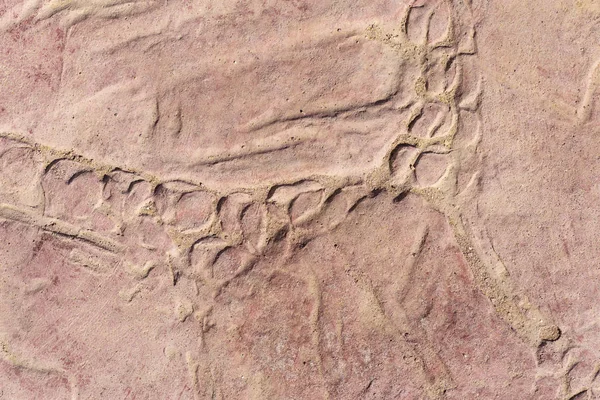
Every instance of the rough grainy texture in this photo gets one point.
(325, 199)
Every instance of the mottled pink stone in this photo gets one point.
(387, 199)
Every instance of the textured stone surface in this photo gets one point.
(299, 199)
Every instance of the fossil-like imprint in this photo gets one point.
(216, 238)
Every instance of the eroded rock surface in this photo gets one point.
(298, 199)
